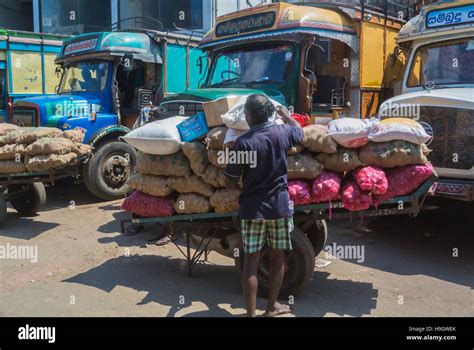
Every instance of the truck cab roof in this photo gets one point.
(144, 45)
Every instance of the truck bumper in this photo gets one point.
(455, 189)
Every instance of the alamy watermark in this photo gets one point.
(76, 109)
(37, 333)
(237, 157)
(19, 252)
(395, 110)
(345, 252)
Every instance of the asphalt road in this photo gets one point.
(420, 266)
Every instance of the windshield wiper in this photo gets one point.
(259, 81)
(224, 82)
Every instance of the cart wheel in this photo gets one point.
(28, 199)
(3, 208)
(299, 266)
(318, 235)
(108, 170)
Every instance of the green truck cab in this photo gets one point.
(322, 59)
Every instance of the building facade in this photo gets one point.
(16, 14)
(72, 17)
(81, 16)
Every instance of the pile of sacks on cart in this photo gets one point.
(359, 162)
(38, 149)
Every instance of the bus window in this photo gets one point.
(26, 72)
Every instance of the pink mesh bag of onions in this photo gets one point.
(326, 187)
(145, 205)
(353, 198)
(299, 192)
(404, 180)
(371, 179)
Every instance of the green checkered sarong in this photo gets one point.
(275, 233)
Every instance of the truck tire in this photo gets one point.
(318, 235)
(28, 200)
(107, 171)
(299, 267)
(3, 209)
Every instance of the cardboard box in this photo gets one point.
(215, 109)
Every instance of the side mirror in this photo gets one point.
(59, 71)
(199, 64)
(202, 64)
(127, 61)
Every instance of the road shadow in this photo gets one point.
(67, 192)
(148, 236)
(437, 243)
(335, 296)
(24, 228)
(165, 281)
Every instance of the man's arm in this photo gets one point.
(286, 116)
(295, 131)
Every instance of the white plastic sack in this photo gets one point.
(399, 129)
(157, 138)
(232, 135)
(351, 132)
(235, 117)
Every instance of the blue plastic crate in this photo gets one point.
(194, 128)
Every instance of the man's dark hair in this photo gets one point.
(260, 108)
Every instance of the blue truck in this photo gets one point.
(107, 78)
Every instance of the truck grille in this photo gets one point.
(453, 136)
(24, 116)
(183, 108)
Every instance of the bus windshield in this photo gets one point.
(445, 63)
(85, 77)
(252, 65)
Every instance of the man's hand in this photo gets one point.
(283, 112)
(286, 116)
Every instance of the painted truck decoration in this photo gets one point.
(106, 78)
(323, 59)
(438, 90)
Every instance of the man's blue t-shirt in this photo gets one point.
(265, 182)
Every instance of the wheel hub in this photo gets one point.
(116, 170)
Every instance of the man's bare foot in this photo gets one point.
(278, 310)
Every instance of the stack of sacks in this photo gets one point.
(364, 162)
(38, 149)
(187, 177)
(346, 160)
